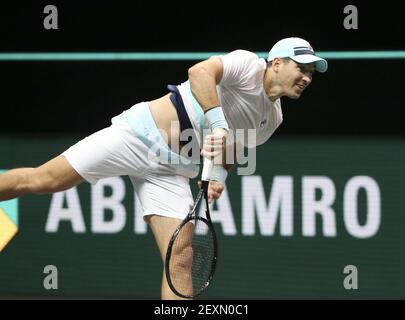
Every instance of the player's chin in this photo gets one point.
(295, 95)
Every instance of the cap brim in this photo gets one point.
(321, 65)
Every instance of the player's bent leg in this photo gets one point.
(163, 228)
(53, 176)
(181, 261)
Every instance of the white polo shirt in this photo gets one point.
(242, 98)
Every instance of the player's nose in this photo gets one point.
(306, 79)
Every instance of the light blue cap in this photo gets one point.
(298, 50)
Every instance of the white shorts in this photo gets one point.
(162, 188)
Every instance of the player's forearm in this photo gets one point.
(13, 183)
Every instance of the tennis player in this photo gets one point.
(237, 90)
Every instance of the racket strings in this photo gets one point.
(191, 260)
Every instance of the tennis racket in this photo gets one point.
(192, 252)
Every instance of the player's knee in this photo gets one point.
(184, 258)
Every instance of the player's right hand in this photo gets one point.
(214, 145)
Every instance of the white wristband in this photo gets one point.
(219, 173)
(216, 118)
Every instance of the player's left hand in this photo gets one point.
(215, 189)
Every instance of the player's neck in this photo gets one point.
(271, 88)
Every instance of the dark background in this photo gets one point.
(362, 97)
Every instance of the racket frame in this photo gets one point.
(193, 215)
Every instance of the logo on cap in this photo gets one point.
(303, 50)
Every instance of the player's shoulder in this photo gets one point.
(244, 54)
(241, 57)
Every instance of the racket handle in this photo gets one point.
(207, 168)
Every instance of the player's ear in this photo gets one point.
(276, 64)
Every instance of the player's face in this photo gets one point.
(295, 77)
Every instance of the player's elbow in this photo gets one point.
(196, 72)
(183, 260)
(208, 69)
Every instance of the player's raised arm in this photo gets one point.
(204, 77)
